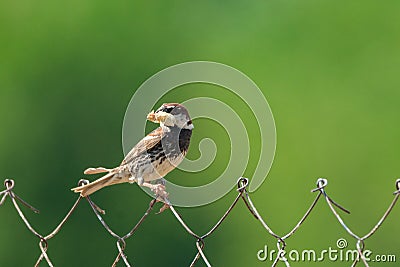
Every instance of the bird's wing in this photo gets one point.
(145, 144)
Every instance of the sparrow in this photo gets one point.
(153, 157)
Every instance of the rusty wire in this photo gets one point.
(199, 239)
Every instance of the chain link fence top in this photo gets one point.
(199, 239)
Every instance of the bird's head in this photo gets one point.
(172, 114)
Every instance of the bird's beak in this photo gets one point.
(162, 118)
(151, 116)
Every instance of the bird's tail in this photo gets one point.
(109, 179)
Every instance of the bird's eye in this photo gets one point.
(189, 122)
(168, 109)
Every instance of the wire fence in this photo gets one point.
(200, 239)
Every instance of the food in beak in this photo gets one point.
(151, 116)
(159, 117)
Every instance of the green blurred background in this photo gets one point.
(329, 69)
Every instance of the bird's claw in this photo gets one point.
(163, 208)
(159, 190)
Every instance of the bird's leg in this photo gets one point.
(161, 181)
(158, 189)
(96, 170)
(161, 184)
(165, 200)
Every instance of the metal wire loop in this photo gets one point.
(397, 187)
(9, 184)
(83, 182)
(321, 184)
(242, 184)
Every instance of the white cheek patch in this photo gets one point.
(189, 127)
(169, 120)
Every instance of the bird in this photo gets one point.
(153, 157)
